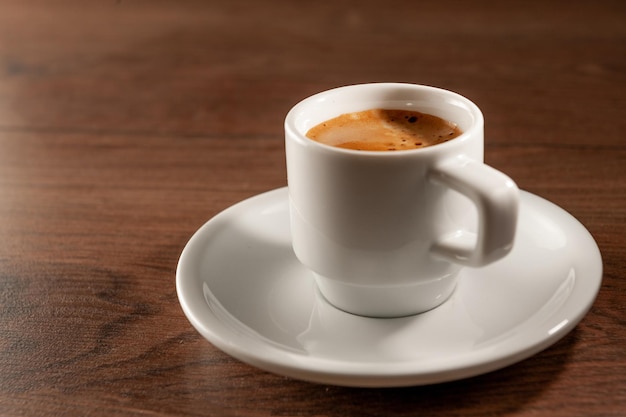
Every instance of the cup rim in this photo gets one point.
(295, 134)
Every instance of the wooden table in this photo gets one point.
(125, 125)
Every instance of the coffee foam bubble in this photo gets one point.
(384, 130)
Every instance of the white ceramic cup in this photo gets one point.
(386, 233)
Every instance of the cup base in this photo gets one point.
(386, 301)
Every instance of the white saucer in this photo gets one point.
(242, 288)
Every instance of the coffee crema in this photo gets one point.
(384, 130)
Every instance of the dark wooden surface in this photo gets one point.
(125, 125)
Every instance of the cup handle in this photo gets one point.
(496, 197)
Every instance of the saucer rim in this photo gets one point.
(270, 356)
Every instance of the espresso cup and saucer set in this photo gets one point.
(394, 257)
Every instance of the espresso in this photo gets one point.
(384, 130)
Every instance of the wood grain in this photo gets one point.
(125, 125)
